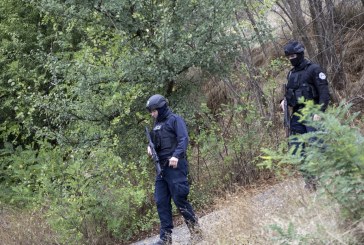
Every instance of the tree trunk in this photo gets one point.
(337, 70)
(256, 30)
(319, 30)
(299, 25)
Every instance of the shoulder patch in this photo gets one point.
(322, 76)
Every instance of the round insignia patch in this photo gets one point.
(322, 76)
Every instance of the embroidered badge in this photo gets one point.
(322, 76)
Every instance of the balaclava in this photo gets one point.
(298, 60)
(162, 113)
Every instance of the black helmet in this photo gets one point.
(155, 102)
(293, 47)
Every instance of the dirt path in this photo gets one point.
(181, 235)
(239, 221)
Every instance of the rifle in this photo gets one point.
(154, 153)
(286, 113)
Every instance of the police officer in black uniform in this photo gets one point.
(170, 138)
(307, 80)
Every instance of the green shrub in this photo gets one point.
(225, 147)
(289, 236)
(336, 156)
(89, 195)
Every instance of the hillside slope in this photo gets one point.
(284, 213)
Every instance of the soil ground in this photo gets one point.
(249, 205)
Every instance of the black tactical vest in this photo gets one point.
(164, 138)
(301, 84)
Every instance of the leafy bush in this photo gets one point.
(225, 146)
(92, 195)
(334, 153)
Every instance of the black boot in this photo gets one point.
(311, 184)
(167, 240)
(195, 231)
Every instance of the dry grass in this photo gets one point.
(248, 217)
(354, 65)
(216, 93)
(25, 228)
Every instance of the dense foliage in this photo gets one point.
(74, 78)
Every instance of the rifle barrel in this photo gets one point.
(154, 153)
(286, 113)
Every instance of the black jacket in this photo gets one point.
(307, 80)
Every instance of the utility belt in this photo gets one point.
(165, 161)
